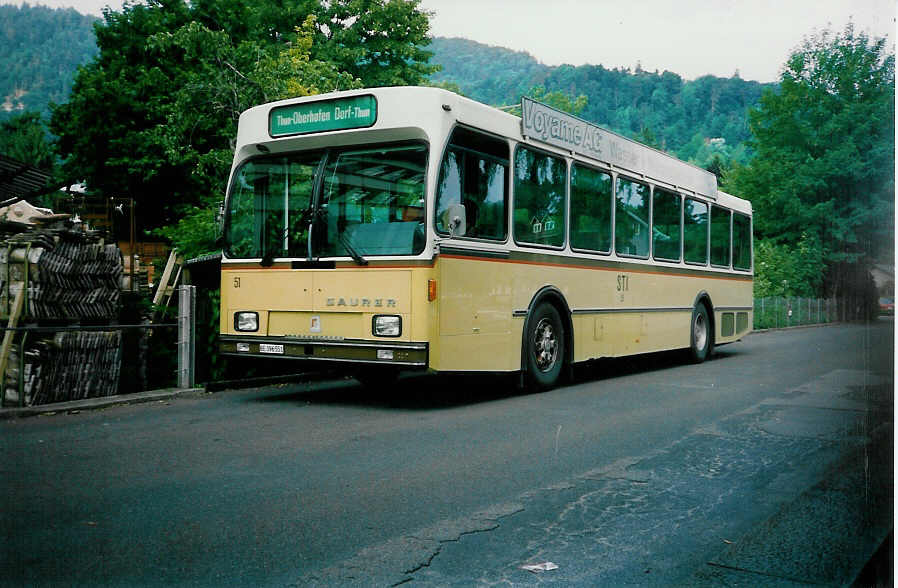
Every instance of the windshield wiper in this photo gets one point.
(309, 217)
(344, 241)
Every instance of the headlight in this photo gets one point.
(246, 321)
(386, 325)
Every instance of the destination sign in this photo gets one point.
(551, 126)
(317, 117)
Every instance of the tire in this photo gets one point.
(701, 335)
(544, 346)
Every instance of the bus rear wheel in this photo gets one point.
(701, 337)
(544, 347)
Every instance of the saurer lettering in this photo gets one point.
(362, 302)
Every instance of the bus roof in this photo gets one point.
(403, 112)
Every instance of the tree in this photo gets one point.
(24, 138)
(824, 164)
(377, 41)
(786, 271)
(154, 114)
(218, 88)
(41, 48)
(557, 99)
(647, 137)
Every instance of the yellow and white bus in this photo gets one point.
(410, 228)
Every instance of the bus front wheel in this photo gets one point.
(701, 338)
(545, 347)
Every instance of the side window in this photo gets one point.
(666, 225)
(741, 242)
(472, 185)
(539, 184)
(591, 202)
(631, 222)
(695, 231)
(720, 236)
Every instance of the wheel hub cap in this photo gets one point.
(699, 331)
(545, 348)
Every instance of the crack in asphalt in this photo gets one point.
(412, 552)
(443, 542)
(640, 500)
(645, 502)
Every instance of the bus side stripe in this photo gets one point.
(523, 313)
(610, 266)
(630, 310)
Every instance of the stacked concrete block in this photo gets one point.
(59, 278)
(66, 366)
(69, 275)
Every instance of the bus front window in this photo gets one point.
(267, 214)
(372, 203)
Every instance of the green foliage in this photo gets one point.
(39, 50)
(714, 154)
(195, 233)
(293, 72)
(631, 102)
(154, 115)
(782, 270)
(493, 75)
(558, 100)
(218, 87)
(451, 86)
(24, 138)
(377, 41)
(647, 137)
(825, 144)
(109, 129)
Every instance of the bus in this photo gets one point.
(410, 228)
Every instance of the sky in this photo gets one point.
(688, 37)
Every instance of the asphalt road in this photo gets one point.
(770, 464)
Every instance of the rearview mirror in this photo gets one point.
(455, 220)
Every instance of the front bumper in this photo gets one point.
(408, 355)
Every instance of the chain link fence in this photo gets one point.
(775, 312)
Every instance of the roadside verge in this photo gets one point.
(100, 402)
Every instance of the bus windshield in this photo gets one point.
(358, 202)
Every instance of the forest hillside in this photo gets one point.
(40, 50)
(697, 120)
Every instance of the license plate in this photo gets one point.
(270, 348)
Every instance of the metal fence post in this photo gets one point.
(186, 336)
